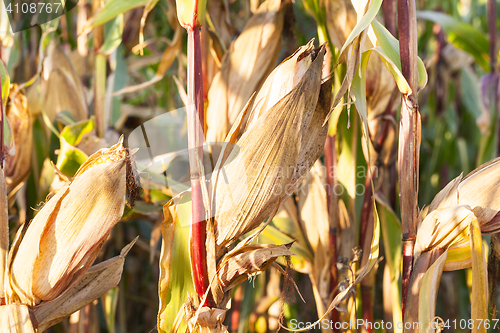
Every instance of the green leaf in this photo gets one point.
(73, 133)
(113, 8)
(70, 158)
(358, 92)
(113, 35)
(8, 136)
(391, 234)
(463, 35)
(388, 50)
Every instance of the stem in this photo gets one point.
(195, 118)
(409, 137)
(332, 204)
(99, 74)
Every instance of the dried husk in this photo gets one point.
(59, 88)
(442, 227)
(98, 280)
(209, 321)
(62, 241)
(250, 58)
(278, 146)
(17, 167)
(480, 190)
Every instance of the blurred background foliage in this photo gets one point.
(56, 70)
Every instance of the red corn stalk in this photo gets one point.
(332, 204)
(409, 137)
(190, 15)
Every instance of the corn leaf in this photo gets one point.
(112, 9)
(462, 35)
(113, 35)
(175, 265)
(362, 24)
(389, 52)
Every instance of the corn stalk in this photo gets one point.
(409, 136)
(191, 15)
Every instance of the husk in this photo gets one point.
(15, 318)
(66, 235)
(441, 228)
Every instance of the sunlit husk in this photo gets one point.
(15, 318)
(281, 142)
(442, 227)
(66, 235)
(17, 167)
(479, 190)
(249, 60)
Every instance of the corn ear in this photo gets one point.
(17, 167)
(274, 153)
(250, 58)
(58, 89)
(62, 241)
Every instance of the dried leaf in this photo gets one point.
(248, 261)
(98, 280)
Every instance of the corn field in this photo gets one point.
(249, 166)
